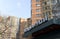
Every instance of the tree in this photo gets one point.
(5, 28)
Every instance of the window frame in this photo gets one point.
(37, 0)
(38, 10)
(38, 5)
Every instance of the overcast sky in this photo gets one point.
(18, 8)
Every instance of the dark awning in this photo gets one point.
(41, 26)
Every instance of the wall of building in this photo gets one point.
(42, 9)
(23, 25)
(36, 10)
(29, 21)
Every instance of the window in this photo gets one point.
(44, 3)
(38, 5)
(37, 0)
(54, 1)
(44, 8)
(48, 13)
(38, 15)
(48, 2)
(45, 15)
(48, 7)
(37, 10)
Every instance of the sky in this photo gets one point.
(18, 8)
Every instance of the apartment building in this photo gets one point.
(23, 25)
(36, 10)
(29, 22)
(47, 9)
(43, 9)
(56, 9)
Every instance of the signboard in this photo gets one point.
(36, 24)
